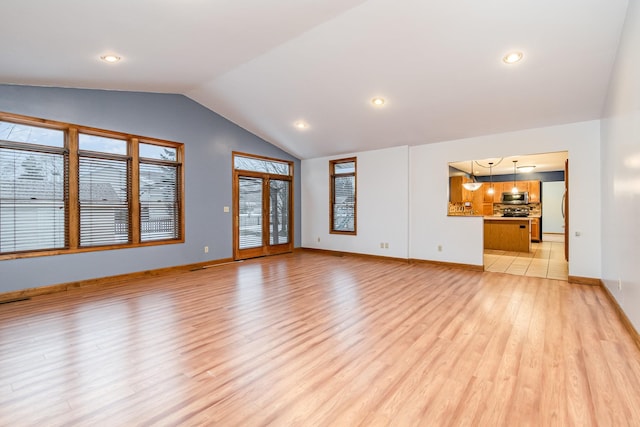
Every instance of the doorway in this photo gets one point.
(262, 200)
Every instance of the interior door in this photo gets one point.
(262, 215)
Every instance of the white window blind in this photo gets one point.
(32, 198)
(104, 201)
(159, 202)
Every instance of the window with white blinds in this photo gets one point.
(343, 196)
(32, 198)
(104, 201)
(159, 202)
(160, 195)
(66, 188)
(104, 188)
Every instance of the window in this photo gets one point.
(159, 193)
(33, 162)
(104, 191)
(343, 196)
(66, 188)
(271, 166)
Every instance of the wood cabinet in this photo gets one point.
(498, 188)
(534, 191)
(456, 190)
(487, 209)
(507, 234)
(532, 187)
(535, 229)
(487, 197)
(458, 194)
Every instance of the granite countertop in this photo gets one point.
(507, 218)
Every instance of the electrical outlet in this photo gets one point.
(226, 209)
(206, 249)
(386, 245)
(439, 248)
(318, 239)
(381, 245)
(619, 284)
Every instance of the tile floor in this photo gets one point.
(546, 259)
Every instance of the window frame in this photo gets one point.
(178, 164)
(72, 205)
(332, 178)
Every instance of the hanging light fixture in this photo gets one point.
(473, 185)
(514, 190)
(490, 190)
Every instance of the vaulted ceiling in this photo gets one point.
(269, 64)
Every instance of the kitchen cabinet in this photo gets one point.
(534, 191)
(532, 187)
(507, 234)
(487, 198)
(535, 229)
(487, 209)
(457, 193)
(498, 188)
(522, 186)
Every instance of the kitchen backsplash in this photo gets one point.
(534, 208)
(461, 209)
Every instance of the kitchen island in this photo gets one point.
(511, 234)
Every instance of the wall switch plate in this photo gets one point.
(206, 249)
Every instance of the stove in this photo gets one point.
(516, 212)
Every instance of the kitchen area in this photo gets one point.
(508, 194)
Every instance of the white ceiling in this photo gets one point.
(265, 64)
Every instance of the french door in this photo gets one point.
(263, 215)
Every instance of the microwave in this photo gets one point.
(515, 198)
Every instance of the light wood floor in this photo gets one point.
(312, 339)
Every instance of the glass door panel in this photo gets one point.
(278, 212)
(250, 212)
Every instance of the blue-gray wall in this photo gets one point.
(209, 140)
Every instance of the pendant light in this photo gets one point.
(514, 190)
(473, 185)
(490, 190)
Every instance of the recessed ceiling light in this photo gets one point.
(110, 58)
(378, 101)
(512, 57)
(301, 124)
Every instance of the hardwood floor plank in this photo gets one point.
(317, 339)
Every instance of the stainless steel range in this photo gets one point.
(522, 211)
